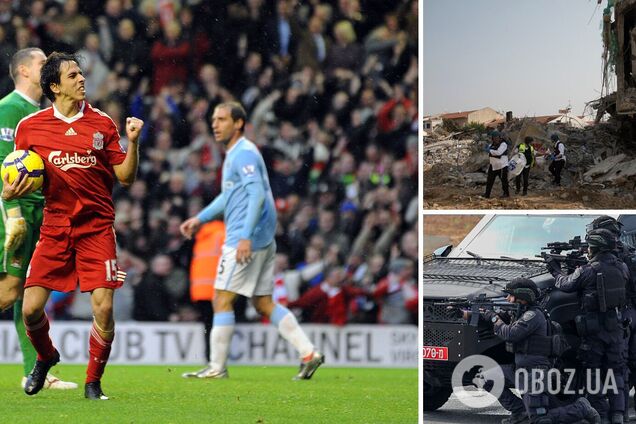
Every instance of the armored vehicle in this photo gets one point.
(473, 274)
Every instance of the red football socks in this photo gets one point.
(38, 333)
(99, 350)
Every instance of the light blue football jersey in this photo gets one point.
(246, 199)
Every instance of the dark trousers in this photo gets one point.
(503, 176)
(629, 314)
(539, 407)
(605, 351)
(555, 169)
(525, 174)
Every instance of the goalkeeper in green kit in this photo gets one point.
(21, 218)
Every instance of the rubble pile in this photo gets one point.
(600, 172)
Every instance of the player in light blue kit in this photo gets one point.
(246, 266)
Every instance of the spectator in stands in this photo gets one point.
(397, 294)
(170, 58)
(328, 302)
(161, 292)
(328, 229)
(282, 32)
(131, 58)
(93, 66)
(408, 245)
(7, 50)
(346, 55)
(313, 47)
(75, 26)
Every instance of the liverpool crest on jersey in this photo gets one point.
(98, 141)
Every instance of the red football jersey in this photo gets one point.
(79, 154)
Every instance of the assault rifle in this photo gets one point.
(576, 257)
(479, 304)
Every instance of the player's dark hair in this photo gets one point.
(51, 72)
(21, 57)
(237, 111)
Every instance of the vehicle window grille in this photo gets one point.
(473, 269)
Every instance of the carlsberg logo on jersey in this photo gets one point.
(68, 161)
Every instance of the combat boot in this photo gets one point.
(617, 418)
(590, 414)
(516, 418)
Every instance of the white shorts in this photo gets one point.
(255, 278)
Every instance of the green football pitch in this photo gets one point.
(158, 395)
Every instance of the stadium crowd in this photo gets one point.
(331, 92)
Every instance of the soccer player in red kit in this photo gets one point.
(82, 158)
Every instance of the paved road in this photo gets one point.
(455, 412)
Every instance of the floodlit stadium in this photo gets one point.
(330, 94)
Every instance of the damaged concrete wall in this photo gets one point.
(597, 162)
(484, 116)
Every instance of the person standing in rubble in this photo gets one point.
(526, 149)
(558, 161)
(498, 153)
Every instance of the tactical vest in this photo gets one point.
(629, 258)
(610, 287)
(552, 345)
(505, 153)
(522, 149)
(556, 149)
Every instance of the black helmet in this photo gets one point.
(523, 289)
(601, 239)
(606, 222)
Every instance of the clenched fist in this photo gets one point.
(133, 128)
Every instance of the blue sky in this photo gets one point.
(532, 57)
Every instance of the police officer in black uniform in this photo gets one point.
(529, 336)
(558, 160)
(498, 157)
(601, 288)
(628, 256)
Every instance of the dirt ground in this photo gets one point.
(441, 230)
(600, 172)
(452, 197)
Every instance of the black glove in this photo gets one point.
(455, 312)
(552, 264)
(505, 317)
(489, 315)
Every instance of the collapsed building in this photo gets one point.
(598, 163)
